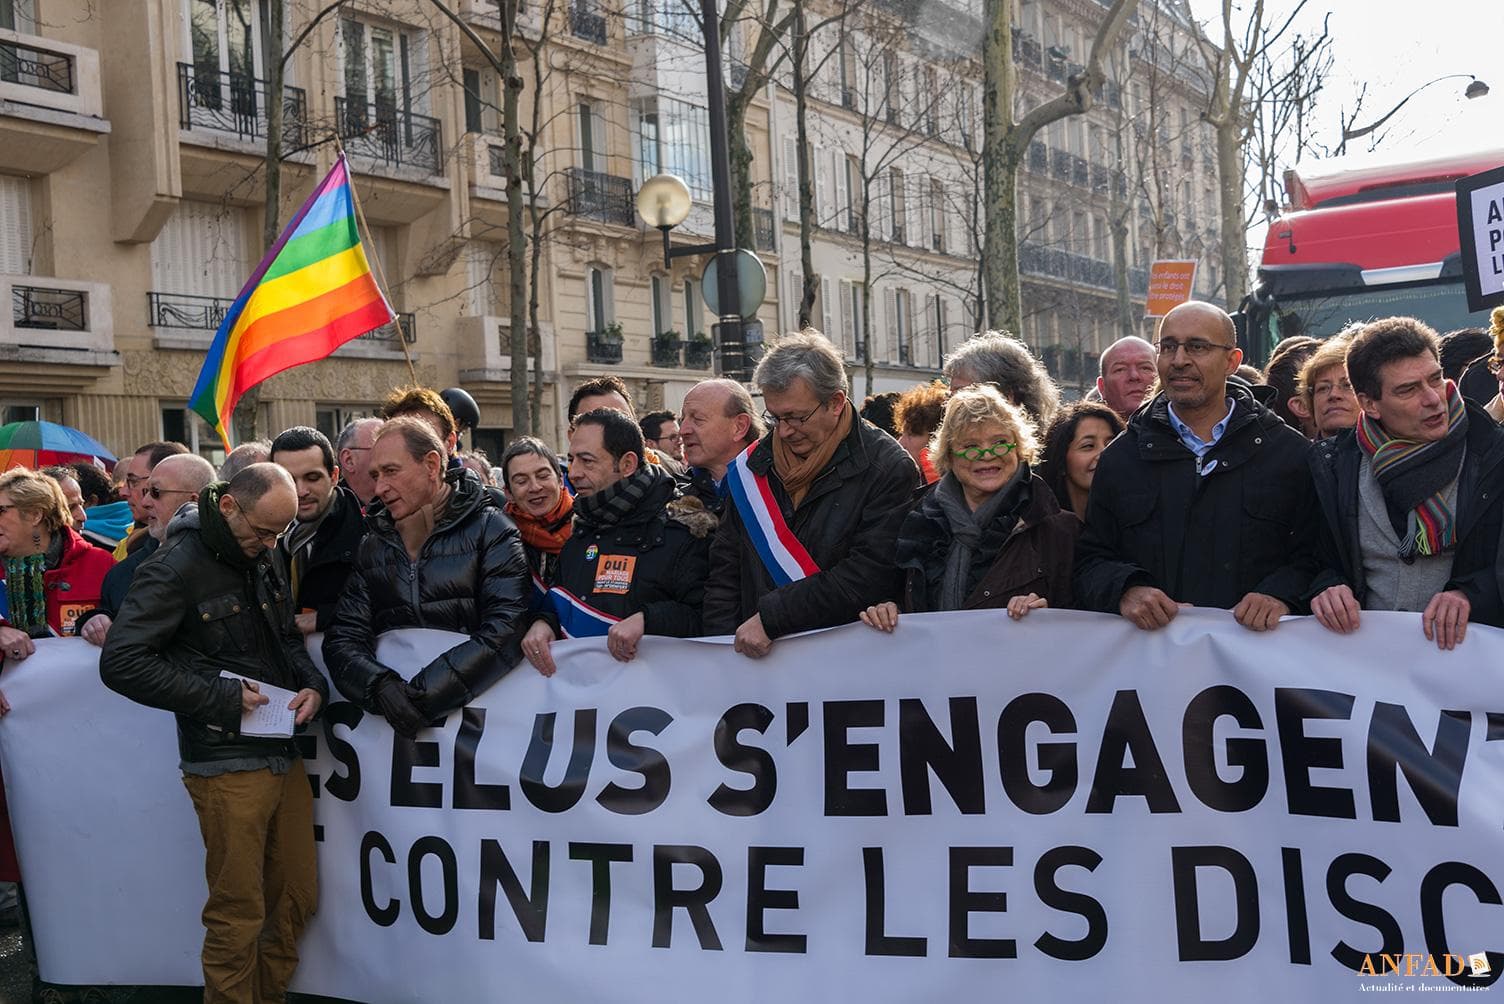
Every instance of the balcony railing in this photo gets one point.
(762, 229)
(1062, 164)
(587, 24)
(184, 310)
(381, 131)
(403, 329)
(602, 348)
(600, 196)
(666, 351)
(1027, 50)
(697, 354)
(1113, 95)
(1080, 171)
(1035, 259)
(40, 308)
(233, 103)
(1039, 157)
(32, 66)
(848, 96)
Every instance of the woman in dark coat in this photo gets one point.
(989, 533)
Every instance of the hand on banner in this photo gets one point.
(1336, 609)
(95, 629)
(395, 703)
(1148, 608)
(622, 639)
(535, 647)
(251, 697)
(306, 703)
(751, 640)
(15, 645)
(1259, 612)
(1019, 606)
(884, 617)
(4, 705)
(307, 622)
(1445, 619)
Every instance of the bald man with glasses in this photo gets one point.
(1205, 500)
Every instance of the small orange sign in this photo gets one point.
(614, 573)
(1170, 285)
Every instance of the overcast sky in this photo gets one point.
(1395, 46)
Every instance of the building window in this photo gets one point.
(599, 309)
(592, 128)
(903, 330)
(331, 419)
(382, 66)
(937, 215)
(482, 108)
(225, 37)
(15, 226)
(853, 195)
(674, 137)
(201, 251)
(179, 425)
(694, 309)
(663, 314)
(897, 205)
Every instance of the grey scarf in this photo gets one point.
(966, 529)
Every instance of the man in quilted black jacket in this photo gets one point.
(440, 553)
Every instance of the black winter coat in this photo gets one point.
(117, 582)
(1335, 463)
(1027, 550)
(1248, 525)
(334, 546)
(848, 523)
(470, 577)
(663, 551)
(189, 615)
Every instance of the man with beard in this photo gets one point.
(1205, 499)
(636, 561)
(320, 547)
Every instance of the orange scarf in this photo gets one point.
(549, 532)
(797, 475)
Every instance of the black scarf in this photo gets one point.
(926, 540)
(215, 529)
(649, 488)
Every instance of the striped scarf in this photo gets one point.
(1413, 475)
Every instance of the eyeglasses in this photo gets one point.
(157, 492)
(1196, 348)
(267, 537)
(133, 481)
(1495, 364)
(675, 438)
(1327, 388)
(983, 452)
(773, 421)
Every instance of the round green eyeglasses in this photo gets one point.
(983, 452)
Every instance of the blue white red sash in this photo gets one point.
(578, 619)
(784, 557)
(539, 598)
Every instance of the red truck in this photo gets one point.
(1363, 237)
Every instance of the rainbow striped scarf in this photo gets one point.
(1413, 475)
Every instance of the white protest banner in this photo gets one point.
(1049, 810)
(1480, 226)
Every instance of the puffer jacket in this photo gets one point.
(1029, 549)
(1248, 525)
(848, 522)
(189, 615)
(470, 577)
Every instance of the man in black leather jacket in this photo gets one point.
(210, 600)
(440, 553)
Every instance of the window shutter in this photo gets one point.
(827, 310)
(842, 219)
(610, 287)
(790, 178)
(890, 325)
(796, 297)
(15, 234)
(944, 329)
(917, 224)
(925, 351)
(823, 186)
(848, 321)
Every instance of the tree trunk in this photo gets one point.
(1234, 240)
(1000, 169)
(806, 183)
(517, 306)
(741, 166)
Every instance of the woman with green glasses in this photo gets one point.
(989, 533)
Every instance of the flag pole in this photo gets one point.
(380, 275)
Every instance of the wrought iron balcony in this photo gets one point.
(403, 329)
(1080, 171)
(762, 229)
(1036, 259)
(1027, 50)
(1062, 164)
(185, 310)
(697, 353)
(234, 103)
(39, 308)
(1113, 95)
(1056, 70)
(33, 66)
(666, 350)
(1039, 156)
(600, 196)
(848, 96)
(379, 130)
(587, 24)
(1101, 179)
(601, 347)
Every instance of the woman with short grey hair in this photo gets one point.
(1000, 359)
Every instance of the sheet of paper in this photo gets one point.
(274, 719)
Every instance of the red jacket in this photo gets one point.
(73, 586)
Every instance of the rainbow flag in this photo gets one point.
(312, 293)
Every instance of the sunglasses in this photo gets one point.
(157, 492)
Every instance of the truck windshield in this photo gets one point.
(1441, 305)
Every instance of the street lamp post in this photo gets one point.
(664, 202)
(1476, 89)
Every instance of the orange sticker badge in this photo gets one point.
(70, 613)
(614, 573)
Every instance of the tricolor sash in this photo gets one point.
(539, 598)
(578, 619)
(782, 555)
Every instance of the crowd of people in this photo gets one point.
(1351, 474)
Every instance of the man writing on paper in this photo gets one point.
(213, 599)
